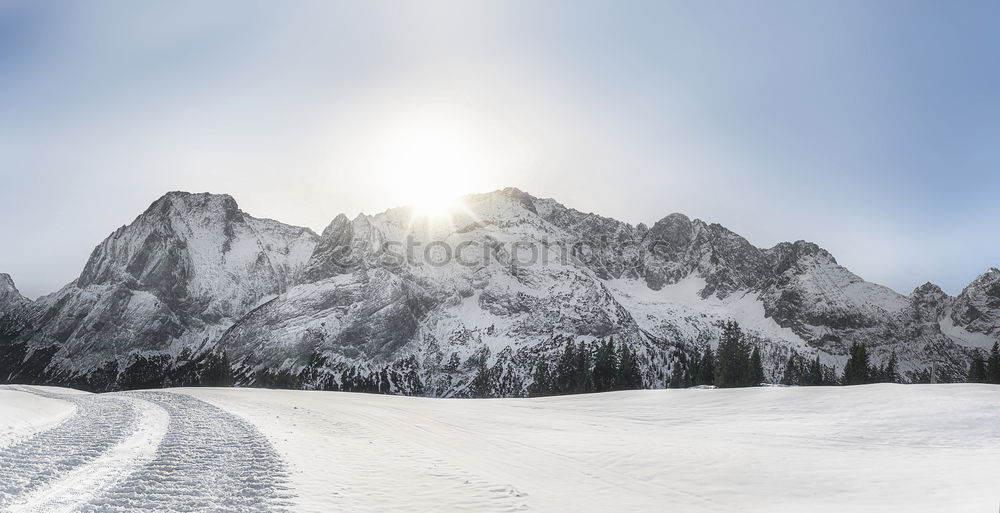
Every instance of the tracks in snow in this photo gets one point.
(142, 451)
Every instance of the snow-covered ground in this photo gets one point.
(23, 414)
(873, 448)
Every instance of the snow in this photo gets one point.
(94, 478)
(681, 306)
(140, 451)
(23, 414)
(871, 448)
(964, 337)
(914, 448)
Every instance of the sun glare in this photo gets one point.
(434, 203)
(427, 152)
(431, 163)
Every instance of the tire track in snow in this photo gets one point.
(209, 460)
(91, 479)
(100, 423)
(143, 452)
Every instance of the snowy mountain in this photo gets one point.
(394, 302)
(13, 306)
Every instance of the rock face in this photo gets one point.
(13, 306)
(977, 308)
(414, 305)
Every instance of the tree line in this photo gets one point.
(736, 363)
(985, 369)
(860, 371)
(583, 368)
(580, 367)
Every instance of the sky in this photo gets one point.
(870, 128)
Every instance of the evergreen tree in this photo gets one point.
(993, 365)
(481, 382)
(628, 377)
(977, 368)
(830, 375)
(216, 370)
(706, 372)
(733, 365)
(679, 375)
(606, 367)
(566, 370)
(890, 372)
(815, 377)
(227, 371)
(756, 368)
(584, 369)
(791, 376)
(542, 384)
(857, 370)
(692, 371)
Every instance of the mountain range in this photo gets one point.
(415, 305)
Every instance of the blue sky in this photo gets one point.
(871, 128)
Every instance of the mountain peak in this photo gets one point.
(928, 289)
(8, 291)
(507, 192)
(337, 228)
(181, 201)
(511, 191)
(989, 277)
(6, 283)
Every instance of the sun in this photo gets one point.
(429, 163)
(434, 203)
(427, 150)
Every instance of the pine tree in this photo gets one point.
(227, 371)
(993, 365)
(605, 367)
(480, 386)
(830, 375)
(541, 385)
(977, 368)
(216, 371)
(857, 370)
(791, 375)
(679, 375)
(756, 368)
(628, 371)
(706, 374)
(584, 369)
(732, 358)
(890, 373)
(692, 371)
(566, 370)
(815, 377)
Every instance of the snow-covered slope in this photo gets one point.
(876, 448)
(22, 415)
(405, 304)
(873, 448)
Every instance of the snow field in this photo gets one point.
(23, 414)
(872, 448)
